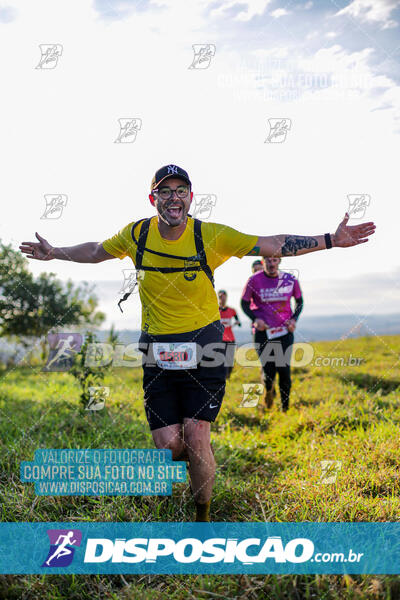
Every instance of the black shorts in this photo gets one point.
(172, 395)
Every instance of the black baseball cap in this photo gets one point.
(168, 171)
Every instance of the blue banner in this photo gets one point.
(215, 548)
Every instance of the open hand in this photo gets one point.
(39, 250)
(352, 235)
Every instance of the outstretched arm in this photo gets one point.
(90, 252)
(294, 245)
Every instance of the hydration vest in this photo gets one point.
(192, 264)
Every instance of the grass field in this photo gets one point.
(269, 468)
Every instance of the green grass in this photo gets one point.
(268, 468)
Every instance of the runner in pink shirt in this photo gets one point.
(266, 300)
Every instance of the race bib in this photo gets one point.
(227, 322)
(175, 355)
(275, 332)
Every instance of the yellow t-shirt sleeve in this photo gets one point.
(230, 242)
(120, 244)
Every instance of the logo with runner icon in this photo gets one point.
(251, 394)
(293, 272)
(50, 53)
(203, 53)
(97, 397)
(204, 203)
(278, 129)
(63, 347)
(329, 470)
(63, 543)
(128, 129)
(132, 279)
(55, 204)
(358, 204)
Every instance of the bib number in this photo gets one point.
(276, 332)
(227, 322)
(175, 355)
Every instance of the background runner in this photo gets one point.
(270, 292)
(229, 319)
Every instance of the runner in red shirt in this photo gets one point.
(229, 319)
(256, 266)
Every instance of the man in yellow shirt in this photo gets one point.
(176, 255)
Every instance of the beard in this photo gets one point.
(173, 216)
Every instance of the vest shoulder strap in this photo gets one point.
(141, 248)
(201, 253)
(198, 240)
(144, 230)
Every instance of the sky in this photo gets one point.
(328, 70)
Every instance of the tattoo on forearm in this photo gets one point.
(255, 251)
(293, 243)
